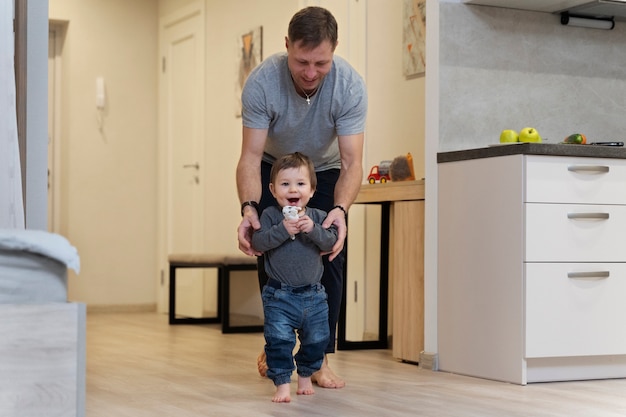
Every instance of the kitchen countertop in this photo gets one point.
(590, 151)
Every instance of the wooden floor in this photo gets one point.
(139, 366)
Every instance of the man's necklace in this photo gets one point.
(308, 99)
(308, 96)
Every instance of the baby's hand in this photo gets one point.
(305, 224)
(291, 215)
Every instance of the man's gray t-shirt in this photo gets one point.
(270, 101)
(294, 262)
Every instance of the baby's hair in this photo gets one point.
(294, 160)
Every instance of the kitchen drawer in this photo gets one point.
(575, 233)
(557, 179)
(575, 315)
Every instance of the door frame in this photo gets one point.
(58, 29)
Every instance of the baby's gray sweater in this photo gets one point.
(293, 262)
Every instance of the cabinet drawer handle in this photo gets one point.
(593, 216)
(598, 169)
(596, 274)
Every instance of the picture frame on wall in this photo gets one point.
(249, 55)
(414, 37)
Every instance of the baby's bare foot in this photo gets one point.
(305, 386)
(282, 394)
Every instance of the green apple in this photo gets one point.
(508, 136)
(529, 134)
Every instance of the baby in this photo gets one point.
(294, 300)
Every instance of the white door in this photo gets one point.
(181, 152)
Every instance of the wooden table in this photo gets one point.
(402, 267)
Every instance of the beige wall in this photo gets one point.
(226, 20)
(396, 104)
(108, 189)
(109, 178)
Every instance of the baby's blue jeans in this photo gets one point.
(287, 310)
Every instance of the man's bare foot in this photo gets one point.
(282, 394)
(326, 378)
(305, 386)
(261, 364)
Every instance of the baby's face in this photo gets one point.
(292, 187)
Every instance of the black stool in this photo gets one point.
(224, 264)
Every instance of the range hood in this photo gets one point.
(601, 9)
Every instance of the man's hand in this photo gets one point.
(249, 185)
(338, 218)
(249, 223)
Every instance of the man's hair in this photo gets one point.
(294, 160)
(312, 26)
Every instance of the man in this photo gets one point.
(310, 101)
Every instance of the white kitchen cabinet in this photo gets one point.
(575, 309)
(575, 232)
(554, 179)
(615, 9)
(549, 6)
(532, 267)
